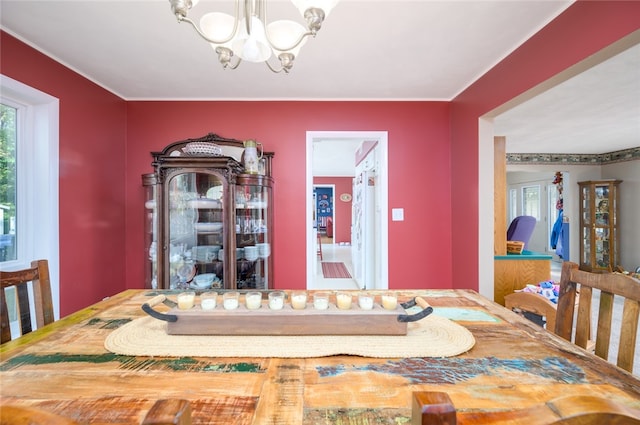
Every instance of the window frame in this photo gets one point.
(513, 204)
(37, 163)
(525, 210)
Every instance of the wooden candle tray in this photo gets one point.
(287, 321)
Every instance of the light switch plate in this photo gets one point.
(397, 214)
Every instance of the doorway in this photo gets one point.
(529, 196)
(324, 211)
(543, 204)
(381, 242)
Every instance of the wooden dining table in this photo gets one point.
(515, 364)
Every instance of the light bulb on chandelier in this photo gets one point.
(248, 36)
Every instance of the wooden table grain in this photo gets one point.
(64, 368)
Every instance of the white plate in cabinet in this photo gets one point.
(202, 203)
(256, 204)
(208, 227)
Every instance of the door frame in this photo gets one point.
(382, 138)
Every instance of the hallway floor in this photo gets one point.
(333, 253)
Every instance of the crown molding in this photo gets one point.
(574, 159)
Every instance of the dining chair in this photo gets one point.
(610, 285)
(436, 408)
(38, 275)
(544, 311)
(532, 303)
(163, 412)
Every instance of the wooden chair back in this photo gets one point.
(533, 303)
(610, 285)
(38, 275)
(436, 408)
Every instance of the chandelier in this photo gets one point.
(248, 36)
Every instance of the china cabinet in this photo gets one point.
(599, 236)
(208, 220)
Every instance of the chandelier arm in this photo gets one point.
(263, 12)
(275, 71)
(181, 15)
(247, 15)
(203, 35)
(236, 65)
(284, 49)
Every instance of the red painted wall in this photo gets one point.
(583, 29)
(342, 225)
(92, 157)
(418, 134)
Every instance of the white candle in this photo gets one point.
(276, 303)
(230, 300)
(208, 304)
(389, 302)
(299, 300)
(186, 300)
(321, 303)
(208, 300)
(365, 301)
(253, 300)
(276, 300)
(230, 304)
(343, 300)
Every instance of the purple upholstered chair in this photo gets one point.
(521, 229)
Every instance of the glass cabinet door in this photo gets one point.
(253, 232)
(150, 184)
(599, 237)
(586, 225)
(601, 226)
(195, 234)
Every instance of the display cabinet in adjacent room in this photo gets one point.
(208, 222)
(599, 235)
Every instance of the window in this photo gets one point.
(531, 201)
(29, 179)
(513, 204)
(8, 190)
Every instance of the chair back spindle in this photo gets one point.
(38, 275)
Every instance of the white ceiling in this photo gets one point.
(366, 50)
(363, 51)
(597, 111)
(335, 157)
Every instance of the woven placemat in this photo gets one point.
(433, 336)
